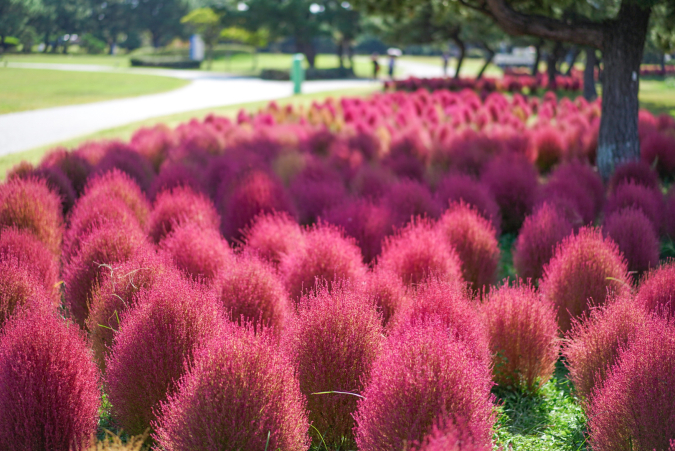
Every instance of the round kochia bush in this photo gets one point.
(594, 342)
(418, 251)
(461, 187)
(585, 269)
(333, 342)
(241, 394)
(49, 393)
(20, 289)
(388, 292)
(634, 234)
(453, 435)
(199, 253)
(537, 240)
(326, 254)
(635, 407)
(474, 240)
(34, 256)
(422, 373)
(636, 172)
(655, 293)
(648, 200)
(272, 235)
(30, 205)
(157, 338)
(523, 336)
(116, 184)
(251, 292)
(109, 244)
(179, 206)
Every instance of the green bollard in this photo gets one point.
(297, 73)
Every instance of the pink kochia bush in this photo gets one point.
(418, 251)
(647, 200)
(388, 292)
(462, 187)
(422, 373)
(523, 335)
(333, 342)
(595, 340)
(157, 338)
(251, 292)
(273, 235)
(116, 184)
(325, 253)
(655, 293)
(179, 206)
(30, 205)
(584, 270)
(635, 407)
(199, 253)
(109, 244)
(637, 172)
(537, 240)
(634, 234)
(408, 199)
(49, 392)
(20, 289)
(474, 240)
(34, 256)
(450, 434)
(241, 394)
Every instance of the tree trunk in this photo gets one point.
(537, 57)
(662, 63)
(551, 65)
(2, 44)
(46, 42)
(575, 56)
(307, 49)
(624, 40)
(156, 39)
(340, 52)
(590, 93)
(488, 59)
(462, 52)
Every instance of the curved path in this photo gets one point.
(29, 129)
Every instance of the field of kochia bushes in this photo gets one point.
(332, 276)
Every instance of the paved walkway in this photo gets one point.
(30, 129)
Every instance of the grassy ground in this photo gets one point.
(99, 60)
(29, 89)
(658, 96)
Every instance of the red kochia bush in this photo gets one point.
(256, 192)
(366, 222)
(34, 256)
(635, 407)
(251, 292)
(584, 269)
(324, 254)
(388, 292)
(74, 165)
(422, 373)
(49, 393)
(453, 435)
(272, 235)
(474, 240)
(451, 304)
(20, 290)
(594, 342)
(523, 336)
(30, 205)
(513, 182)
(157, 338)
(584, 176)
(660, 148)
(630, 195)
(462, 187)
(333, 342)
(241, 394)
(669, 215)
(111, 243)
(637, 172)
(550, 147)
(655, 293)
(121, 157)
(417, 251)
(116, 184)
(117, 292)
(407, 199)
(176, 175)
(537, 240)
(199, 253)
(312, 197)
(179, 206)
(58, 183)
(634, 233)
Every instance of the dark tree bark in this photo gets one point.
(340, 50)
(488, 59)
(590, 93)
(575, 55)
(462, 53)
(619, 141)
(552, 65)
(662, 63)
(307, 49)
(537, 57)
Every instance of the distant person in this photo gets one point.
(392, 62)
(376, 64)
(446, 59)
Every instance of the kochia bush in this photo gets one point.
(634, 234)
(273, 235)
(636, 172)
(523, 335)
(49, 393)
(450, 434)
(461, 187)
(116, 184)
(388, 292)
(333, 342)
(655, 293)
(241, 394)
(157, 338)
(647, 200)
(422, 373)
(20, 289)
(584, 270)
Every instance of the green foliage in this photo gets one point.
(92, 44)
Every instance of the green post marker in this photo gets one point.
(297, 73)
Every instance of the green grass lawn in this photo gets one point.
(658, 96)
(29, 89)
(99, 60)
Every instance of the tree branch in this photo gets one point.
(517, 23)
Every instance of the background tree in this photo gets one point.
(110, 19)
(14, 15)
(161, 18)
(207, 24)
